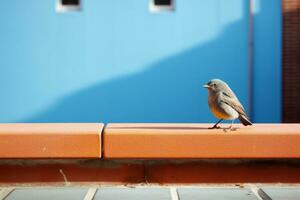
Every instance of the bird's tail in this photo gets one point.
(245, 121)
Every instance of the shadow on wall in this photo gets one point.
(169, 90)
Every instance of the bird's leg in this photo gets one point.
(216, 125)
(230, 127)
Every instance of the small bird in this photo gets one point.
(224, 104)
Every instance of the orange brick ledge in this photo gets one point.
(56, 140)
(160, 141)
(148, 141)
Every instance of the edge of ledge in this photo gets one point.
(50, 140)
(188, 141)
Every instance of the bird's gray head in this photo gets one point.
(215, 85)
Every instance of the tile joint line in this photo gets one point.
(263, 194)
(258, 192)
(174, 193)
(5, 192)
(90, 194)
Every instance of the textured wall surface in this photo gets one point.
(114, 61)
(291, 60)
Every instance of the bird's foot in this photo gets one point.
(215, 127)
(231, 128)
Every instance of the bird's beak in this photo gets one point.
(206, 86)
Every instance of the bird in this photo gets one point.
(224, 104)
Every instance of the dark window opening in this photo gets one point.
(162, 2)
(70, 2)
(161, 5)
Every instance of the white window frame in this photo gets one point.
(67, 8)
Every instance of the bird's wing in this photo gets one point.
(233, 102)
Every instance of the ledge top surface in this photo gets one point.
(199, 128)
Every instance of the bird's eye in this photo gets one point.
(214, 85)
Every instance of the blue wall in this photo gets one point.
(114, 61)
(267, 61)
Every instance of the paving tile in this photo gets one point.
(48, 194)
(283, 193)
(115, 193)
(133, 194)
(215, 194)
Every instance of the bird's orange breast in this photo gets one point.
(218, 114)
